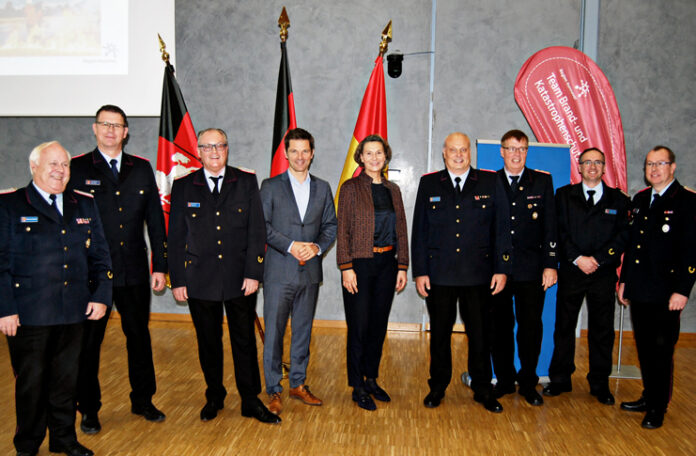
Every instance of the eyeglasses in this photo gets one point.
(207, 148)
(657, 164)
(515, 149)
(592, 162)
(109, 125)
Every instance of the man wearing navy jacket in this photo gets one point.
(54, 274)
(124, 188)
(217, 242)
(461, 249)
(658, 274)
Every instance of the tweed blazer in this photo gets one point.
(356, 222)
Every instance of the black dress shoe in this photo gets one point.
(149, 412)
(489, 403)
(210, 410)
(27, 453)
(433, 399)
(532, 397)
(635, 406)
(556, 388)
(363, 399)
(256, 409)
(604, 397)
(500, 389)
(71, 449)
(653, 419)
(373, 388)
(90, 423)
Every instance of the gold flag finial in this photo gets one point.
(386, 38)
(284, 24)
(163, 50)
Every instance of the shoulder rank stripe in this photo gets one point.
(80, 192)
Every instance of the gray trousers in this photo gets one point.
(281, 301)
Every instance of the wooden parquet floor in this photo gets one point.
(572, 424)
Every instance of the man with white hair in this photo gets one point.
(55, 272)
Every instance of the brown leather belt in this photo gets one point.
(382, 249)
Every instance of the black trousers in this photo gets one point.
(45, 361)
(133, 305)
(528, 307)
(475, 310)
(573, 287)
(207, 319)
(367, 315)
(656, 330)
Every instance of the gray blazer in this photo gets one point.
(283, 225)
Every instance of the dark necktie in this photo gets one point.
(457, 181)
(216, 191)
(54, 205)
(590, 198)
(114, 167)
(656, 197)
(513, 183)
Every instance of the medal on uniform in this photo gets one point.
(665, 228)
(529, 206)
(535, 215)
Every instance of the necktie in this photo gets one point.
(216, 191)
(114, 168)
(656, 197)
(590, 198)
(54, 205)
(513, 183)
(457, 182)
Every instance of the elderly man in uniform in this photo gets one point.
(592, 229)
(657, 277)
(461, 253)
(529, 196)
(54, 274)
(217, 240)
(124, 188)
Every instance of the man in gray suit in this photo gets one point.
(300, 227)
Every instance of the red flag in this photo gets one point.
(567, 99)
(284, 119)
(372, 120)
(177, 147)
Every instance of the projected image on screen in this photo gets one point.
(56, 37)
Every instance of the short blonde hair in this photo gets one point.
(36, 153)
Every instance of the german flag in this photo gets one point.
(284, 119)
(372, 120)
(177, 153)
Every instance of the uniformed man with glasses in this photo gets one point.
(658, 274)
(592, 235)
(217, 242)
(123, 185)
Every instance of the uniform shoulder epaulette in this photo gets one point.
(138, 156)
(80, 192)
(542, 171)
(690, 189)
(7, 190)
(625, 193)
(246, 170)
(487, 170)
(431, 172)
(646, 188)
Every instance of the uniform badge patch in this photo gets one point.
(259, 259)
(192, 204)
(92, 182)
(610, 211)
(29, 219)
(434, 199)
(82, 221)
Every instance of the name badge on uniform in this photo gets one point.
(192, 204)
(669, 212)
(534, 197)
(29, 219)
(610, 211)
(92, 182)
(480, 197)
(434, 199)
(82, 221)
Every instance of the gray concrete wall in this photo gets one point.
(227, 65)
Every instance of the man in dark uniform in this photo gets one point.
(529, 196)
(592, 231)
(658, 274)
(124, 188)
(217, 238)
(54, 274)
(461, 252)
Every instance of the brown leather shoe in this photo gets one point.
(303, 393)
(276, 404)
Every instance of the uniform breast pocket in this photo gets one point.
(238, 214)
(436, 211)
(22, 241)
